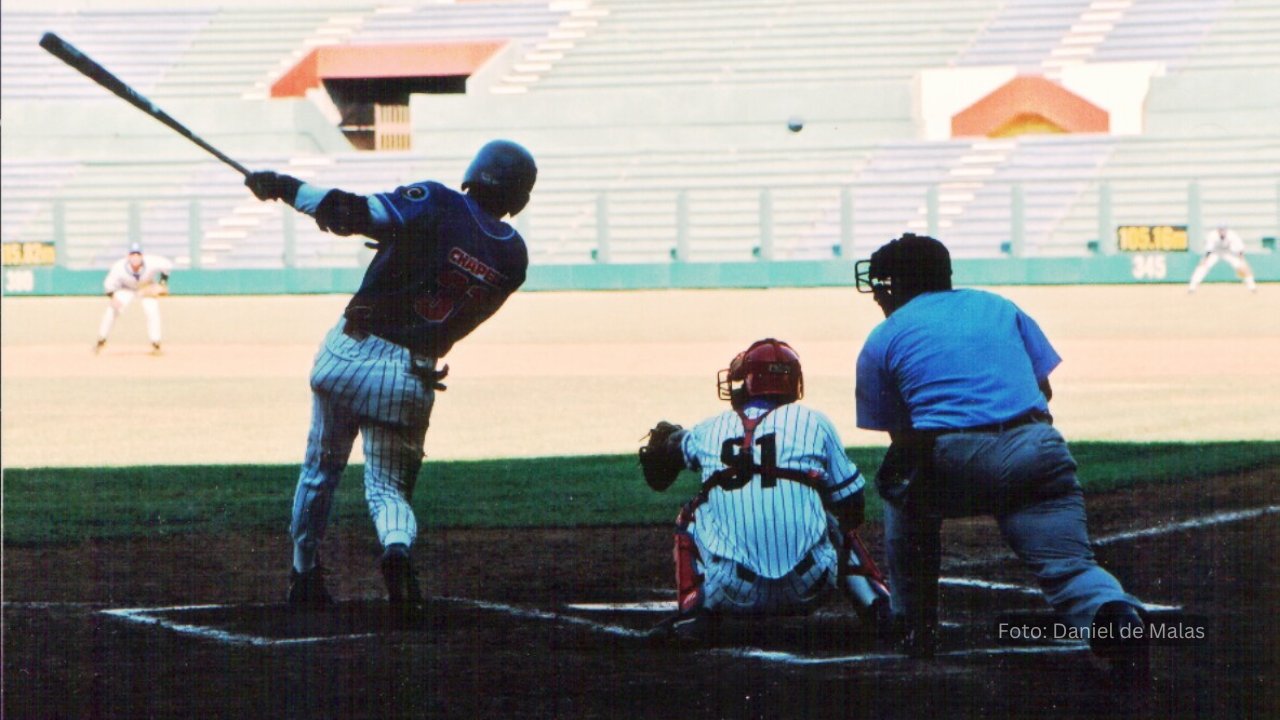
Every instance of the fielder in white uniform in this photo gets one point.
(772, 530)
(136, 275)
(1223, 243)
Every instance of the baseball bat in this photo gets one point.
(67, 53)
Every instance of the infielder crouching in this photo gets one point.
(1224, 244)
(445, 263)
(772, 530)
(135, 276)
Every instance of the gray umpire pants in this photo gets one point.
(1025, 477)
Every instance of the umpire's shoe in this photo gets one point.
(1119, 637)
(403, 591)
(920, 642)
(307, 590)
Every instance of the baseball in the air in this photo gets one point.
(795, 123)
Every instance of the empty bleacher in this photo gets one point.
(733, 194)
(626, 43)
(235, 51)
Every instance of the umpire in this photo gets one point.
(960, 380)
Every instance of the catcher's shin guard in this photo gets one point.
(860, 579)
(688, 581)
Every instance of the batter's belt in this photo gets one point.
(420, 364)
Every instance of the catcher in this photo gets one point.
(135, 275)
(772, 529)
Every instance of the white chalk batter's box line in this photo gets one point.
(153, 616)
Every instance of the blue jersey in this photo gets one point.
(442, 268)
(952, 359)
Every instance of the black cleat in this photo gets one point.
(155, 348)
(307, 590)
(691, 628)
(877, 619)
(97, 348)
(403, 592)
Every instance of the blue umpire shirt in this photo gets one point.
(952, 359)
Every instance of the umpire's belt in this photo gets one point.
(1035, 416)
(746, 574)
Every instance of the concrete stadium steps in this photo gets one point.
(1024, 33)
(215, 52)
(1244, 36)
(519, 20)
(1161, 30)
(135, 45)
(240, 52)
(1148, 182)
(752, 41)
(96, 207)
(1047, 35)
(28, 187)
(640, 198)
(722, 188)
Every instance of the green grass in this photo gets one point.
(69, 505)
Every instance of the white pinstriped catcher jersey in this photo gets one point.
(769, 523)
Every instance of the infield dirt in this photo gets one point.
(555, 374)
(587, 373)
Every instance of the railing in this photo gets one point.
(1072, 213)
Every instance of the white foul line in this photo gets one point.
(645, 606)
(793, 659)
(1191, 524)
(144, 616)
(545, 615)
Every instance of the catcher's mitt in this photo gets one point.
(661, 458)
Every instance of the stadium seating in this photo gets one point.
(711, 188)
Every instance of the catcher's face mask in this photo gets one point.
(729, 380)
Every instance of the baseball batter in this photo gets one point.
(136, 275)
(773, 525)
(1225, 244)
(445, 263)
(960, 380)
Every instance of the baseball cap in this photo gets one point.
(135, 248)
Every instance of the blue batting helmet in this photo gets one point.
(504, 172)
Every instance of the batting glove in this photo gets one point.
(268, 185)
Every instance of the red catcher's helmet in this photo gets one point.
(768, 368)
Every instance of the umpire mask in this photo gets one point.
(903, 268)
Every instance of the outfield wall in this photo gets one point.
(1138, 268)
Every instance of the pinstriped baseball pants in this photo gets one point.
(361, 387)
(726, 588)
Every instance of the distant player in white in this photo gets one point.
(773, 525)
(1223, 243)
(135, 275)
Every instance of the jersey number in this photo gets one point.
(453, 293)
(742, 461)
